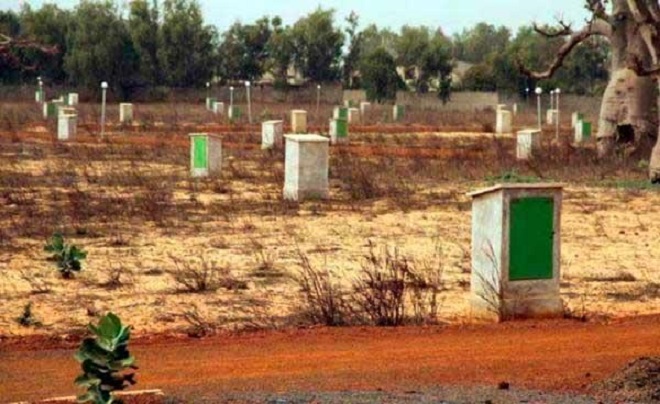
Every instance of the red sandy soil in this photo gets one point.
(556, 355)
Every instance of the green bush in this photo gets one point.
(68, 257)
(104, 360)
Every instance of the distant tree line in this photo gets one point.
(151, 45)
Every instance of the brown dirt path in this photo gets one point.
(551, 356)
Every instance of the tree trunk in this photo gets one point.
(629, 109)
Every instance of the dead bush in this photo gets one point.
(201, 275)
(324, 301)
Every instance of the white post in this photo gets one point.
(104, 88)
(231, 96)
(41, 91)
(318, 98)
(208, 86)
(552, 100)
(527, 94)
(539, 91)
(557, 92)
(247, 88)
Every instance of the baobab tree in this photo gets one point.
(629, 110)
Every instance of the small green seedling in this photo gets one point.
(68, 257)
(105, 359)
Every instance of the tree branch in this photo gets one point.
(563, 30)
(563, 52)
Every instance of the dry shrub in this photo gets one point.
(201, 275)
(325, 302)
(390, 290)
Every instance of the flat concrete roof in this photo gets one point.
(307, 138)
(516, 186)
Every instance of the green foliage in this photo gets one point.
(245, 50)
(317, 43)
(144, 29)
(280, 49)
(68, 257)
(27, 318)
(352, 58)
(379, 77)
(477, 44)
(187, 52)
(105, 360)
(100, 48)
(512, 176)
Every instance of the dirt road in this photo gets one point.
(551, 356)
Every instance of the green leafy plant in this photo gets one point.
(105, 360)
(68, 257)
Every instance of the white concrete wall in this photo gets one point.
(272, 134)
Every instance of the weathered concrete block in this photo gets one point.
(218, 108)
(340, 113)
(67, 124)
(514, 109)
(298, 121)
(209, 103)
(575, 118)
(272, 134)
(205, 154)
(349, 103)
(364, 107)
(338, 131)
(582, 131)
(528, 142)
(501, 107)
(51, 108)
(125, 113)
(306, 167)
(398, 112)
(551, 116)
(353, 115)
(516, 252)
(72, 99)
(504, 122)
(233, 112)
(39, 96)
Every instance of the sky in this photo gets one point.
(450, 15)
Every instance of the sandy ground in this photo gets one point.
(609, 262)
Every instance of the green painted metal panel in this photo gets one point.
(342, 127)
(51, 109)
(200, 153)
(531, 239)
(586, 130)
(343, 113)
(399, 111)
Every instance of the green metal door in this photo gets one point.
(200, 155)
(531, 239)
(343, 113)
(342, 127)
(586, 130)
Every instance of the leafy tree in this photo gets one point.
(48, 25)
(245, 50)
(187, 51)
(317, 45)
(373, 38)
(379, 77)
(477, 44)
(352, 58)
(281, 49)
(436, 65)
(100, 48)
(144, 29)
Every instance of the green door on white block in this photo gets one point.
(200, 154)
(531, 239)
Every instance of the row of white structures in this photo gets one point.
(529, 140)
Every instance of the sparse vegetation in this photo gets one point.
(68, 257)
